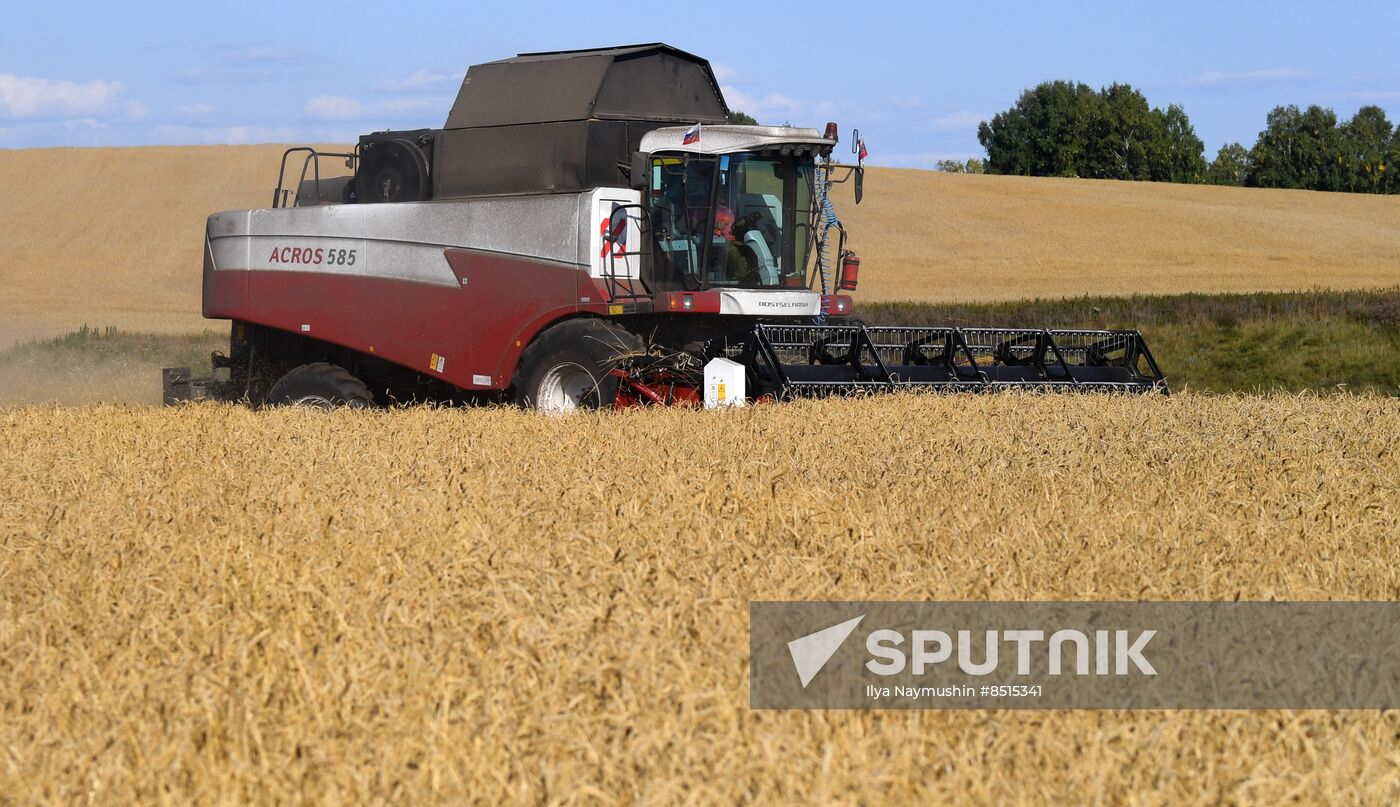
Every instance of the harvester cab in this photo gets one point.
(587, 229)
(734, 206)
(728, 216)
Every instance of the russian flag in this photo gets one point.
(692, 136)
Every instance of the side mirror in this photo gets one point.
(860, 183)
(641, 171)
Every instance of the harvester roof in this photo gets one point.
(730, 139)
(651, 82)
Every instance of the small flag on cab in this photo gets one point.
(692, 136)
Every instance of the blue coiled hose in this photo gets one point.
(828, 220)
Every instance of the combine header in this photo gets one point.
(816, 361)
(587, 230)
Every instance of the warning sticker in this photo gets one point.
(437, 362)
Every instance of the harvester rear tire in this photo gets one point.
(569, 366)
(322, 385)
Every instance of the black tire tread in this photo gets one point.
(340, 381)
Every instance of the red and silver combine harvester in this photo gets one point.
(587, 230)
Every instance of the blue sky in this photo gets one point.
(916, 78)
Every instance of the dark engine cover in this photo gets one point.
(543, 123)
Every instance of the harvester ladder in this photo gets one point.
(281, 197)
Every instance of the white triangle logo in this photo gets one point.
(811, 652)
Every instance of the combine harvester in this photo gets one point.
(587, 230)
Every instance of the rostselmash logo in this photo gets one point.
(1068, 651)
(780, 304)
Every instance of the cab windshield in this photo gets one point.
(742, 220)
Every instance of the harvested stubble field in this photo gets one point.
(220, 605)
(114, 236)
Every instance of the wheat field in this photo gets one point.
(216, 605)
(114, 236)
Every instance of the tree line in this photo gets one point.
(1064, 129)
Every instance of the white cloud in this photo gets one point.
(334, 107)
(1250, 76)
(173, 134)
(345, 108)
(906, 104)
(723, 73)
(919, 159)
(769, 108)
(419, 80)
(775, 108)
(957, 121)
(196, 111)
(24, 97)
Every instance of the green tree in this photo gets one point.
(1063, 129)
(1327, 144)
(1045, 134)
(1367, 140)
(1391, 166)
(1124, 135)
(971, 166)
(1300, 149)
(741, 118)
(1182, 154)
(1231, 166)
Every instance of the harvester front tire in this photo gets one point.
(322, 385)
(570, 366)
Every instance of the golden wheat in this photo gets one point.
(114, 236)
(217, 605)
(950, 237)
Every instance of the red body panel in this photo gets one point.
(478, 328)
(700, 302)
(223, 291)
(511, 299)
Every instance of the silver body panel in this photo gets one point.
(406, 241)
(768, 303)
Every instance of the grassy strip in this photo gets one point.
(1323, 340)
(96, 346)
(100, 364)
